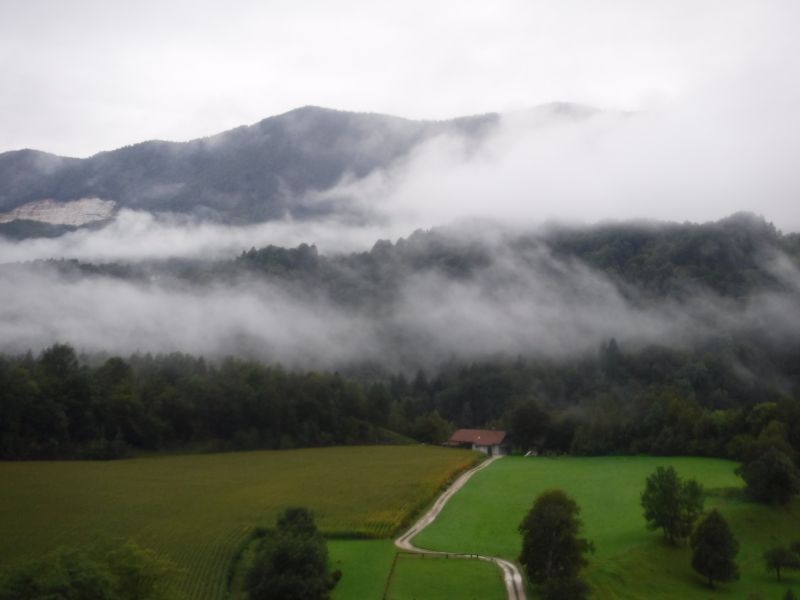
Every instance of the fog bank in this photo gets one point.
(531, 305)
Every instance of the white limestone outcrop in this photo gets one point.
(74, 212)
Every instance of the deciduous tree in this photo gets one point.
(771, 478)
(779, 558)
(551, 548)
(671, 504)
(291, 562)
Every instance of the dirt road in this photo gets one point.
(515, 586)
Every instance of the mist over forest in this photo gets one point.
(618, 337)
(459, 293)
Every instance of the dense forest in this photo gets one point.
(656, 400)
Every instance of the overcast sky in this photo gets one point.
(82, 76)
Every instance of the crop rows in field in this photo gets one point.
(197, 509)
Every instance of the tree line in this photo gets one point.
(654, 400)
(56, 406)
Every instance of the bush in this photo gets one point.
(291, 563)
(126, 573)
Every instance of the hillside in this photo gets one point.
(730, 257)
(734, 258)
(251, 173)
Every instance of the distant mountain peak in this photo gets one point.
(250, 173)
(247, 174)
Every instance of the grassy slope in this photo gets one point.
(196, 509)
(416, 578)
(630, 562)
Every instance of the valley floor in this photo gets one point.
(630, 562)
(198, 509)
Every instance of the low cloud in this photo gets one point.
(728, 144)
(696, 158)
(529, 304)
(137, 235)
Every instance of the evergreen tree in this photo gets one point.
(714, 549)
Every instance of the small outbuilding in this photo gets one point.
(489, 441)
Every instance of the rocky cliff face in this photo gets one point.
(76, 212)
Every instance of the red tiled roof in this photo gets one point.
(482, 437)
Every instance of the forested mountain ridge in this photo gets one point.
(729, 256)
(732, 257)
(251, 173)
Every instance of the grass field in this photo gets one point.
(365, 566)
(196, 509)
(428, 578)
(630, 562)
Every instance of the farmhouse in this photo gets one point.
(488, 441)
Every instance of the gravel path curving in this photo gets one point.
(515, 586)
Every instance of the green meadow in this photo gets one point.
(198, 509)
(369, 570)
(365, 567)
(630, 561)
(419, 577)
